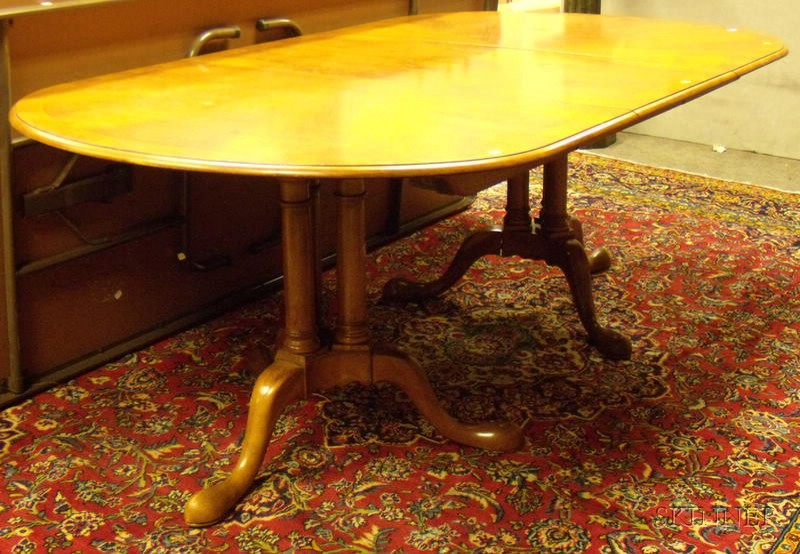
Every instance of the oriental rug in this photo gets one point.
(692, 446)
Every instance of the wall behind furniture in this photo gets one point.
(759, 113)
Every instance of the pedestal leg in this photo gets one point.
(567, 252)
(515, 238)
(400, 369)
(278, 386)
(599, 258)
(282, 382)
(474, 247)
(351, 357)
(558, 240)
(519, 238)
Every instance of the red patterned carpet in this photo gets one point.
(692, 446)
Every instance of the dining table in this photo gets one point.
(452, 101)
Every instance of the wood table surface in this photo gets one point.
(466, 99)
(398, 97)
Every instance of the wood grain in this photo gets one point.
(426, 95)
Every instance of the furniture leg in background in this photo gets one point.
(557, 239)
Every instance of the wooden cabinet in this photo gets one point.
(101, 259)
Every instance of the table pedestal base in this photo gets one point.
(303, 366)
(285, 382)
(557, 239)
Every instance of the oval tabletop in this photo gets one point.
(424, 95)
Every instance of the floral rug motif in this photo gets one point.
(692, 446)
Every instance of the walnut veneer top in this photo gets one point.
(426, 95)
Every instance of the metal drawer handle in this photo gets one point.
(218, 33)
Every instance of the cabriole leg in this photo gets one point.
(565, 250)
(284, 381)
